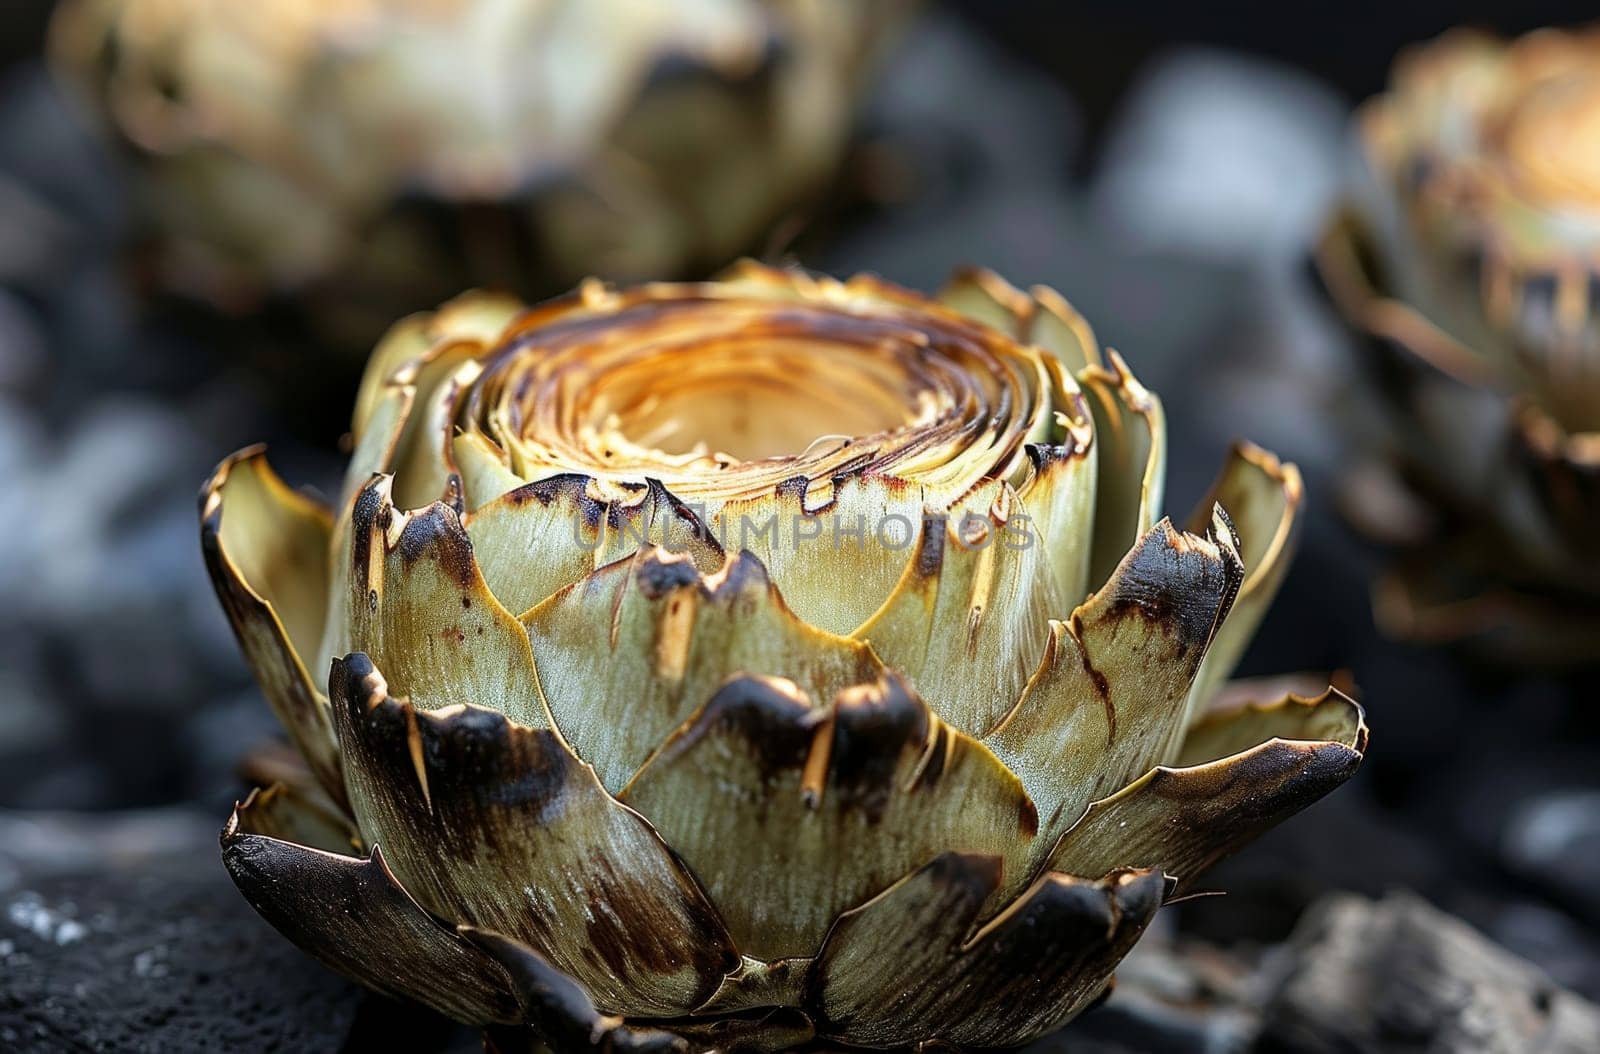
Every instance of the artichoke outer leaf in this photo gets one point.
(486, 473)
(1058, 496)
(630, 653)
(299, 816)
(1062, 331)
(375, 448)
(969, 619)
(1262, 496)
(863, 792)
(419, 606)
(424, 463)
(1040, 316)
(859, 528)
(477, 317)
(985, 297)
(1108, 696)
(1130, 438)
(408, 339)
(576, 529)
(558, 1013)
(1439, 596)
(1327, 717)
(353, 916)
(373, 454)
(1183, 820)
(265, 547)
(910, 966)
(500, 827)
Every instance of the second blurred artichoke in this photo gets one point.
(1469, 266)
(371, 157)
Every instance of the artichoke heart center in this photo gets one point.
(762, 398)
(721, 398)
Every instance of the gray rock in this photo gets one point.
(1398, 975)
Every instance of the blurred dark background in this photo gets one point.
(1165, 165)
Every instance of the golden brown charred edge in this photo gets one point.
(1183, 820)
(1346, 267)
(956, 884)
(1287, 477)
(1190, 617)
(559, 1014)
(289, 814)
(1024, 973)
(848, 753)
(255, 626)
(1020, 305)
(352, 915)
(1329, 716)
(779, 728)
(467, 788)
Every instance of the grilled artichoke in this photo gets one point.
(375, 156)
(1468, 264)
(711, 667)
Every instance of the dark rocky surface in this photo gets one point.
(1397, 974)
(121, 689)
(125, 934)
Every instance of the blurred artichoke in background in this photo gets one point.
(371, 157)
(712, 668)
(1469, 266)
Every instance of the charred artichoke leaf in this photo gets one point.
(811, 538)
(266, 549)
(289, 814)
(475, 317)
(1062, 331)
(1058, 494)
(419, 606)
(1040, 316)
(486, 473)
(559, 1014)
(633, 651)
(498, 826)
(423, 463)
(352, 915)
(1108, 696)
(1130, 440)
(374, 447)
(1328, 717)
(1183, 820)
(1262, 496)
(987, 298)
(864, 791)
(911, 965)
(969, 619)
(416, 456)
(576, 528)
